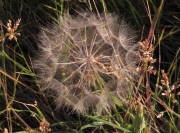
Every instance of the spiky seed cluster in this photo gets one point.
(11, 34)
(86, 61)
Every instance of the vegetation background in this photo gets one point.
(23, 108)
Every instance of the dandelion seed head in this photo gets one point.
(86, 60)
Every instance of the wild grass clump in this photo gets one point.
(87, 60)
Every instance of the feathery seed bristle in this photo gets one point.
(86, 60)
